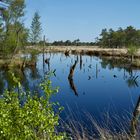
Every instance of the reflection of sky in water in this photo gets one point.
(100, 90)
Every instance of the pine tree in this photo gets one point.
(35, 32)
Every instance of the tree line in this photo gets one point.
(119, 38)
(109, 38)
(14, 34)
(76, 42)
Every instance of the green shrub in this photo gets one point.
(34, 118)
(132, 49)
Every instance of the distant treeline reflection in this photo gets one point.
(31, 72)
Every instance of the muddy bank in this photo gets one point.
(112, 54)
(95, 50)
(120, 54)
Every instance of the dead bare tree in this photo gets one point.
(70, 77)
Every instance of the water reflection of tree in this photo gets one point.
(81, 62)
(112, 62)
(24, 76)
(34, 73)
(132, 81)
(30, 68)
(7, 78)
(70, 77)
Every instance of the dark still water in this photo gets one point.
(88, 86)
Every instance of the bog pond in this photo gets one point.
(105, 88)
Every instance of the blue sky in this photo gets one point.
(83, 19)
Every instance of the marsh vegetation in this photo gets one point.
(98, 82)
(96, 92)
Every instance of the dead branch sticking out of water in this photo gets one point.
(132, 81)
(47, 61)
(81, 62)
(70, 77)
(67, 53)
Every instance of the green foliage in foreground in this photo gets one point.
(35, 119)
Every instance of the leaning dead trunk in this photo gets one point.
(135, 120)
(70, 78)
